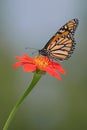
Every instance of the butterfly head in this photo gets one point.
(44, 52)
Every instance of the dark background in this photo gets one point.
(53, 104)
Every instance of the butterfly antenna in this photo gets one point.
(28, 48)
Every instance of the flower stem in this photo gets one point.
(35, 79)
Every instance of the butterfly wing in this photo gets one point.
(62, 44)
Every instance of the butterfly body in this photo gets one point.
(61, 45)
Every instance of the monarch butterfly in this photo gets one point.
(61, 45)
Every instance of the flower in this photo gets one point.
(42, 63)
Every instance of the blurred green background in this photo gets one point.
(53, 104)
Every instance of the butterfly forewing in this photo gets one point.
(62, 44)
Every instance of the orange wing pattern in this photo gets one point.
(62, 44)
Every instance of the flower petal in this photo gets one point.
(29, 67)
(17, 64)
(25, 58)
(58, 67)
(28, 58)
(52, 72)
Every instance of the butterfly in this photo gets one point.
(62, 44)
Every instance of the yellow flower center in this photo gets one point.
(41, 61)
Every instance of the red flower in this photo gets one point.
(42, 63)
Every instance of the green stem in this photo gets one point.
(36, 78)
